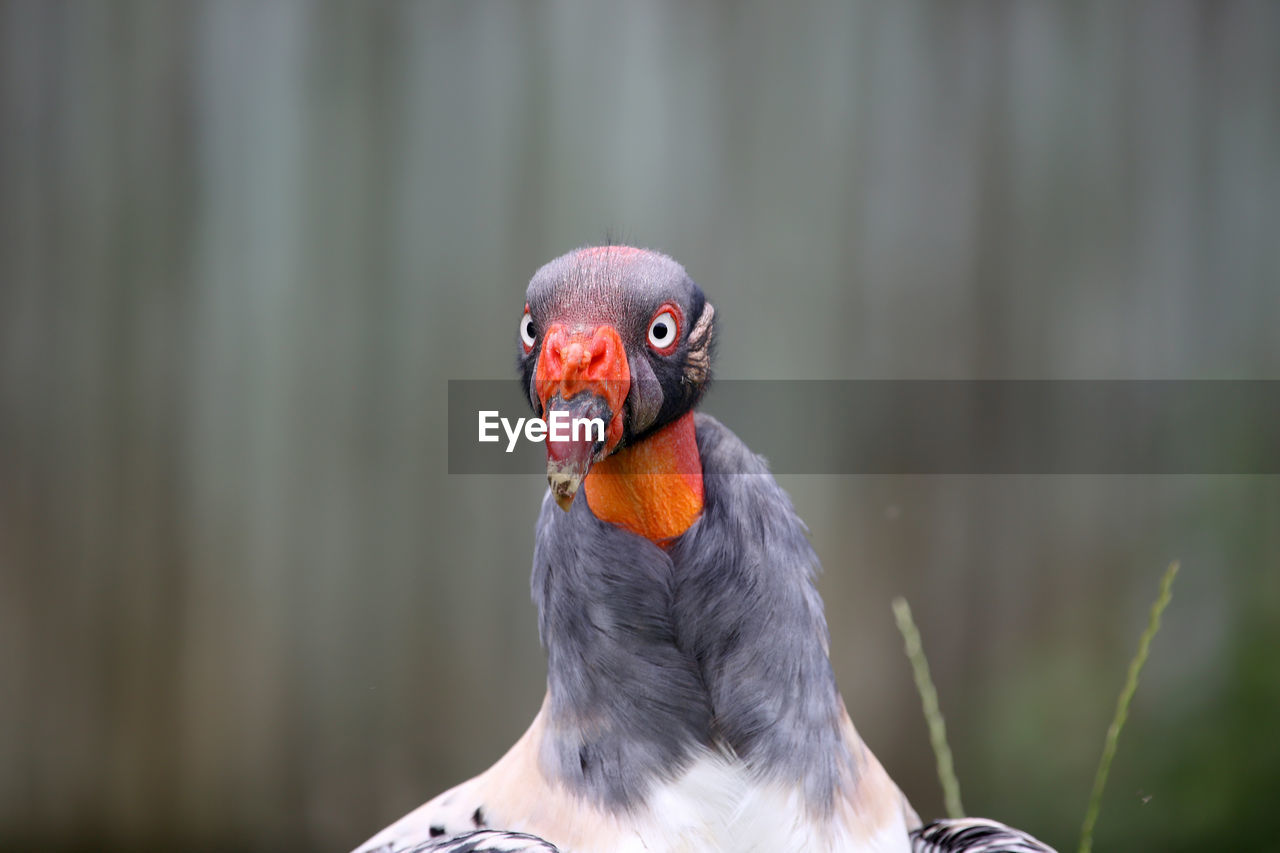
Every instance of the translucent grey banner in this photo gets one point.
(942, 427)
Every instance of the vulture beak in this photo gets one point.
(583, 374)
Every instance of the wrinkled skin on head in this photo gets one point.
(598, 342)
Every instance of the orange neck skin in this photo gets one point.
(653, 488)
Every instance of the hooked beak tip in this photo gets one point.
(563, 487)
(570, 456)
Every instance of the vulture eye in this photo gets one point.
(664, 329)
(528, 334)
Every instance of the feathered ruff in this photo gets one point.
(973, 835)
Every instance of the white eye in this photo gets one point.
(528, 335)
(662, 331)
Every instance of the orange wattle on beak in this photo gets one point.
(583, 375)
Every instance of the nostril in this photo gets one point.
(599, 354)
(580, 354)
(552, 349)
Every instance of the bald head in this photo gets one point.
(619, 285)
(629, 320)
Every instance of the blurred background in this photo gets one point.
(244, 245)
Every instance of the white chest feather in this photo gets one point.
(719, 805)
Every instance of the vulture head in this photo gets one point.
(614, 333)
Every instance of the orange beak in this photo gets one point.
(583, 374)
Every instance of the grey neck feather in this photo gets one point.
(656, 656)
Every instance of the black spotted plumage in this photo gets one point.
(974, 835)
(483, 841)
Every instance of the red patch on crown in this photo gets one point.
(622, 253)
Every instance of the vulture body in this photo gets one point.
(690, 704)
